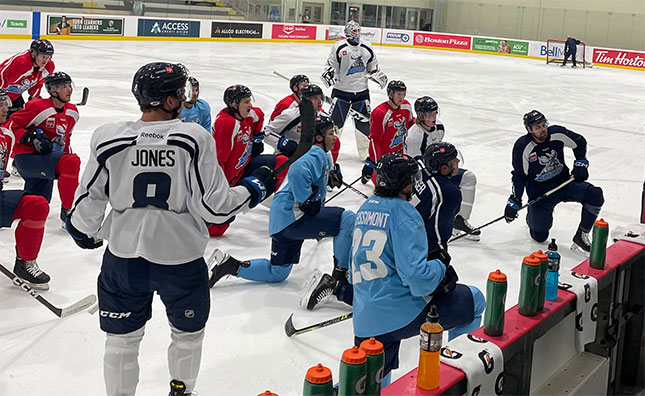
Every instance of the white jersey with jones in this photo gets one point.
(352, 65)
(162, 180)
(419, 139)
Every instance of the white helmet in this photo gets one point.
(353, 30)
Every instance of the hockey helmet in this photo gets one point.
(296, 80)
(353, 30)
(533, 117)
(154, 82)
(193, 82)
(4, 98)
(438, 154)
(42, 46)
(235, 93)
(55, 79)
(394, 171)
(323, 124)
(425, 104)
(310, 91)
(395, 86)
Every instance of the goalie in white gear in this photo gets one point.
(350, 64)
(162, 181)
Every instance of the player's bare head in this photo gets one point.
(326, 132)
(537, 125)
(395, 176)
(194, 84)
(441, 158)
(298, 82)
(237, 99)
(314, 94)
(5, 104)
(160, 85)
(353, 31)
(396, 91)
(59, 85)
(426, 109)
(41, 52)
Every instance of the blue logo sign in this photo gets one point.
(168, 28)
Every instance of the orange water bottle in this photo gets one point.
(431, 337)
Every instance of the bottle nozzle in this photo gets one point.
(433, 315)
(553, 246)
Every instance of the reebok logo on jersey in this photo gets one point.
(151, 135)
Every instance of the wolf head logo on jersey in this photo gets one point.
(357, 65)
(401, 133)
(552, 166)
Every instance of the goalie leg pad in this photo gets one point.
(339, 109)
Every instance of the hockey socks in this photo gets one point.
(261, 270)
(67, 169)
(32, 210)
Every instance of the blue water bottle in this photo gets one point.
(553, 274)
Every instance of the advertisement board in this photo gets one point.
(167, 28)
(371, 35)
(293, 32)
(612, 57)
(442, 40)
(15, 22)
(95, 26)
(236, 30)
(501, 46)
(397, 37)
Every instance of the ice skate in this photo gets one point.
(224, 265)
(319, 289)
(581, 242)
(178, 388)
(31, 274)
(63, 216)
(462, 225)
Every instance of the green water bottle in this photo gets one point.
(375, 365)
(599, 244)
(353, 373)
(495, 304)
(544, 267)
(318, 382)
(529, 286)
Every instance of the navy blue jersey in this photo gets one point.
(539, 167)
(437, 200)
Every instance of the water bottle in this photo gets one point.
(495, 304)
(318, 382)
(431, 337)
(553, 274)
(529, 286)
(375, 365)
(353, 373)
(544, 267)
(599, 244)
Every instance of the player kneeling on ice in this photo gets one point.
(426, 131)
(538, 166)
(161, 178)
(394, 281)
(298, 213)
(30, 210)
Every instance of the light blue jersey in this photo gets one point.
(200, 113)
(389, 269)
(312, 169)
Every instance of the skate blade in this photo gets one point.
(316, 275)
(471, 237)
(35, 286)
(579, 250)
(216, 258)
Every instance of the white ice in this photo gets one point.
(482, 99)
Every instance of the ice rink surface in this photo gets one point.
(482, 99)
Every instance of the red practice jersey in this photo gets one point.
(41, 113)
(6, 143)
(257, 120)
(286, 103)
(388, 129)
(19, 74)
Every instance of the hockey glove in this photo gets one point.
(380, 78)
(450, 278)
(368, 170)
(312, 205)
(512, 206)
(580, 170)
(287, 146)
(328, 76)
(260, 184)
(257, 147)
(82, 240)
(335, 177)
(440, 255)
(39, 141)
(58, 143)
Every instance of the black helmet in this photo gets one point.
(425, 104)
(154, 82)
(42, 47)
(394, 171)
(438, 154)
(55, 79)
(323, 123)
(394, 86)
(193, 82)
(533, 117)
(235, 93)
(296, 80)
(311, 91)
(4, 97)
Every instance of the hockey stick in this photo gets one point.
(541, 197)
(307, 134)
(290, 330)
(60, 312)
(357, 191)
(86, 94)
(345, 188)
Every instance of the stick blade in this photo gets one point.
(78, 306)
(289, 329)
(86, 95)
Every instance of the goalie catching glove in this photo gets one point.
(380, 78)
(328, 76)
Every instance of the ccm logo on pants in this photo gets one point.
(115, 315)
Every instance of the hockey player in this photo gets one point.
(25, 71)
(394, 281)
(196, 110)
(538, 166)
(234, 131)
(43, 131)
(296, 84)
(426, 131)
(161, 178)
(298, 213)
(350, 63)
(570, 50)
(389, 125)
(30, 210)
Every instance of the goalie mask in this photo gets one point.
(353, 31)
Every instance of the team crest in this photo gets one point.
(551, 166)
(401, 133)
(357, 65)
